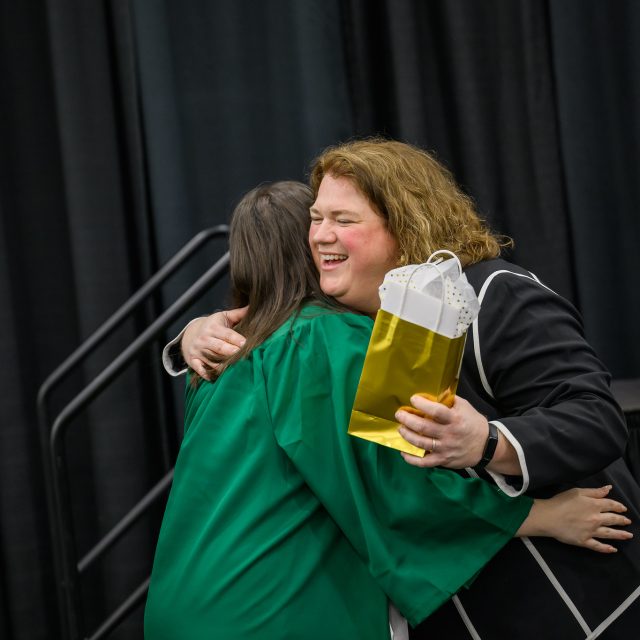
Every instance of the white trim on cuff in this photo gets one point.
(499, 478)
(167, 360)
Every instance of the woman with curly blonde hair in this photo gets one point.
(534, 414)
(424, 208)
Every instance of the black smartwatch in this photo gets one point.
(489, 447)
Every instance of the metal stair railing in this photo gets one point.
(68, 568)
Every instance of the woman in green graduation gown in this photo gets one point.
(279, 525)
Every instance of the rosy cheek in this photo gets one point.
(347, 238)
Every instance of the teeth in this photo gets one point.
(333, 256)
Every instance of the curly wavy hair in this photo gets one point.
(419, 199)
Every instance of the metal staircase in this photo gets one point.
(69, 568)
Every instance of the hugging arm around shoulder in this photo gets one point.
(423, 533)
(542, 382)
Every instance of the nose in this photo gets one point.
(322, 232)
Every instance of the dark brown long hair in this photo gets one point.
(272, 269)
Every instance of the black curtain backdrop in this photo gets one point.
(128, 125)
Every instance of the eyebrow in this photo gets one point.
(336, 212)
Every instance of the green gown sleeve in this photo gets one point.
(423, 533)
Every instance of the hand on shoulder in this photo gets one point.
(206, 341)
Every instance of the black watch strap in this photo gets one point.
(489, 447)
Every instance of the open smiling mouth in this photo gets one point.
(332, 258)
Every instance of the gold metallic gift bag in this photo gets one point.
(404, 359)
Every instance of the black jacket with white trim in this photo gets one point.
(529, 369)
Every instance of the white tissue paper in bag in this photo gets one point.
(435, 295)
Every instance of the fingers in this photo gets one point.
(419, 425)
(612, 505)
(606, 533)
(203, 362)
(428, 460)
(218, 335)
(459, 437)
(198, 358)
(614, 520)
(605, 504)
(416, 423)
(612, 534)
(596, 492)
(212, 348)
(434, 410)
(600, 547)
(610, 516)
(423, 442)
(201, 369)
(233, 316)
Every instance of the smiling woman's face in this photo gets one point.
(351, 245)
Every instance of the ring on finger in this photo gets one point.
(434, 443)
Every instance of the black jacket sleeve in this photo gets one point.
(548, 387)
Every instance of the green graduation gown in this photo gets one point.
(281, 525)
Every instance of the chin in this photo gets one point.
(331, 289)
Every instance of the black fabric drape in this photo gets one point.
(31, 203)
(598, 77)
(234, 95)
(75, 242)
(473, 81)
(125, 127)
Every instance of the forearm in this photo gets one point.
(566, 442)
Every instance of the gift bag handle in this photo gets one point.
(436, 265)
(453, 255)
